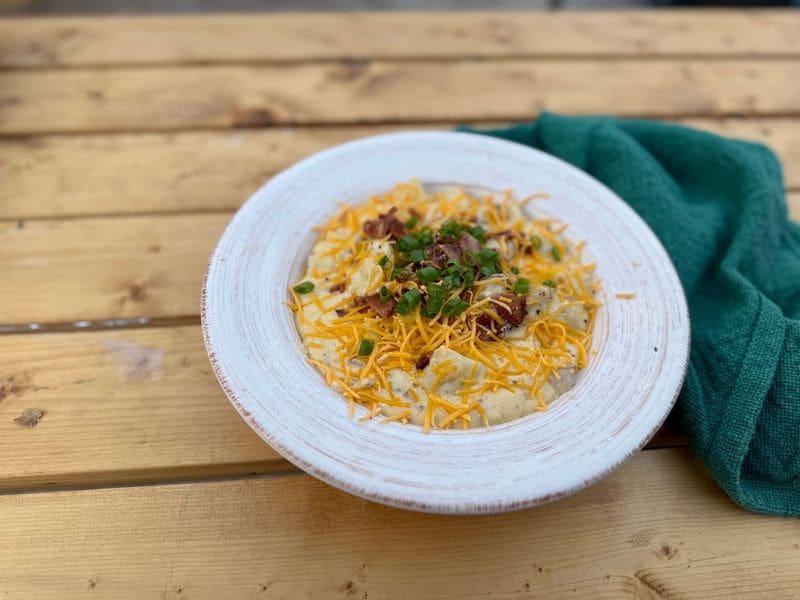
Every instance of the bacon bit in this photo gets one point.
(373, 301)
(385, 224)
(440, 252)
(467, 243)
(424, 360)
(397, 229)
(488, 329)
(339, 287)
(516, 311)
(340, 312)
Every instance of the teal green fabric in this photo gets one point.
(718, 206)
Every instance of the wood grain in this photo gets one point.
(119, 407)
(84, 269)
(657, 529)
(169, 98)
(65, 270)
(100, 174)
(106, 393)
(285, 37)
(162, 172)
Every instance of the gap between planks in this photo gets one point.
(662, 440)
(389, 123)
(126, 407)
(378, 92)
(208, 170)
(431, 59)
(85, 272)
(657, 528)
(98, 325)
(281, 38)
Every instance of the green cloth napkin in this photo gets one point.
(718, 207)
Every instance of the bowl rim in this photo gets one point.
(455, 507)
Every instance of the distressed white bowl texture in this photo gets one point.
(635, 370)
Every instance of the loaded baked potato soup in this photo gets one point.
(446, 308)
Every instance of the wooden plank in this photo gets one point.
(36, 42)
(658, 528)
(72, 270)
(99, 174)
(170, 98)
(173, 172)
(119, 407)
(85, 269)
(104, 394)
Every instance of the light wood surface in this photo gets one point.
(101, 174)
(100, 268)
(170, 98)
(278, 38)
(105, 392)
(83, 267)
(119, 407)
(125, 145)
(657, 529)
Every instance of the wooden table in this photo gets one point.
(125, 147)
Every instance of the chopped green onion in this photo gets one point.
(304, 288)
(417, 255)
(522, 286)
(556, 254)
(436, 290)
(407, 242)
(451, 282)
(450, 229)
(384, 294)
(536, 241)
(425, 236)
(383, 260)
(487, 256)
(469, 278)
(408, 301)
(514, 270)
(366, 347)
(428, 274)
(479, 233)
(412, 221)
(488, 271)
(432, 306)
(401, 274)
(549, 283)
(471, 259)
(454, 307)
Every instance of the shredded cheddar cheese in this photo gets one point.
(510, 337)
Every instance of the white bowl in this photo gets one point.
(620, 400)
